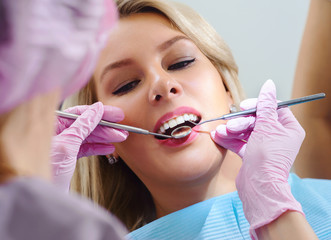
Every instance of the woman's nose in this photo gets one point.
(163, 88)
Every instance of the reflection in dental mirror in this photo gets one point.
(181, 132)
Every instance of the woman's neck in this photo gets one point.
(174, 198)
(25, 136)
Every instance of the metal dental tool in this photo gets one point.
(183, 131)
(116, 125)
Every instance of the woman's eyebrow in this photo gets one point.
(170, 42)
(117, 64)
(127, 61)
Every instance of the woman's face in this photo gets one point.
(154, 73)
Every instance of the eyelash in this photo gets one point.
(131, 85)
(181, 64)
(126, 88)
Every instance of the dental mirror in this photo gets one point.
(181, 132)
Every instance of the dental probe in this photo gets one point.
(280, 105)
(116, 125)
(183, 131)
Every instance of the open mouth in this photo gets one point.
(186, 119)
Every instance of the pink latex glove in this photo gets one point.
(83, 137)
(234, 135)
(273, 143)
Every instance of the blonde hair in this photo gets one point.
(116, 187)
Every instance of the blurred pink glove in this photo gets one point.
(82, 137)
(48, 45)
(273, 143)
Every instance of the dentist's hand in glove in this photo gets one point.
(83, 137)
(268, 145)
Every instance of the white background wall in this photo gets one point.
(264, 36)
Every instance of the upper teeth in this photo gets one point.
(178, 120)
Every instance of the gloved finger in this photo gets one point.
(112, 114)
(223, 132)
(61, 153)
(237, 146)
(288, 120)
(77, 109)
(63, 123)
(248, 103)
(85, 123)
(89, 149)
(241, 124)
(266, 108)
(233, 142)
(103, 134)
(285, 116)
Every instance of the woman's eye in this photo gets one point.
(126, 88)
(181, 64)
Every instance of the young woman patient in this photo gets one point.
(164, 65)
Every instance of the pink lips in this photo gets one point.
(166, 117)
